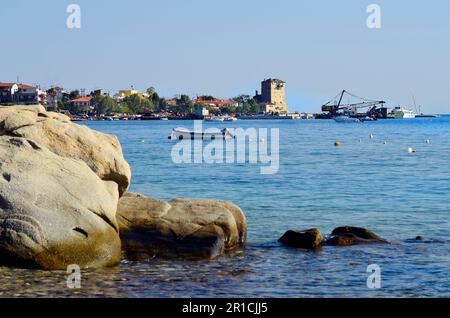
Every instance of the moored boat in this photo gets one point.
(346, 119)
(403, 113)
(215, 119)
(210, 134)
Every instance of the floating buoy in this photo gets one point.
(412, 150)
(337, 143)
(142, 141)
(371, 136)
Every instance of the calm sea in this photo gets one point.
(365, 182)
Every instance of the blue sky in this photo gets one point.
(225, 48)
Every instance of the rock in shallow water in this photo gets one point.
(308, 239)
(347, 236)
(59, 188)
(180, 228)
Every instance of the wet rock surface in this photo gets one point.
(180, 228)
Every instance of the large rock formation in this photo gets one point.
(101, 152)
(59, 188)
(180, 228)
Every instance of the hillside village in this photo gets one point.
(133, 104)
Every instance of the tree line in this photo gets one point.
(135, 104)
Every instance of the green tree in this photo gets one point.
(147, 105)
(137, 104)
(253, 106)
(122, 108)
(133, 103)
(64, 104)
(74, 94)
(250, 106)
(184, 104)
(206, 97)
(242, 99)
(103, 104)
(185, 100)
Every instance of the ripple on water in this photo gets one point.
(369, 184)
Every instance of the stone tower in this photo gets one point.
(273, 96)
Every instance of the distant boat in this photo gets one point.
(427, 116)
(185, 134)
(346, 119)
(419, 113)
(403, 113)
(164, 118)
(230, 119)
(215, 119)
(367, 118)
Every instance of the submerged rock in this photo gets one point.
(347, 236)
(59, 188)
(180, 228)
(308, 239)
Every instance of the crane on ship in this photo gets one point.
(335, 108)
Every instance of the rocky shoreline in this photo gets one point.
(64, 200)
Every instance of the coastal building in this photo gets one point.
(171, 102)
(7, 92)
(99, 92)
(43, 98)
(216, 102)
(202, 111)
(273, 96)
(56, 94)
(125, 93)
(82, 104)
(27, 94)
(12, 93)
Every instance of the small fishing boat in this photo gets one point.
(230, 119)
(346, 119)
(367, 118)
(185, 134)
(215, 119)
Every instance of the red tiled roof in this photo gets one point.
(171, 102)
(215, 101)
(24, 86)
(7, 84)
(82, 100)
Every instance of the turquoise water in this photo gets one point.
(380, 186)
